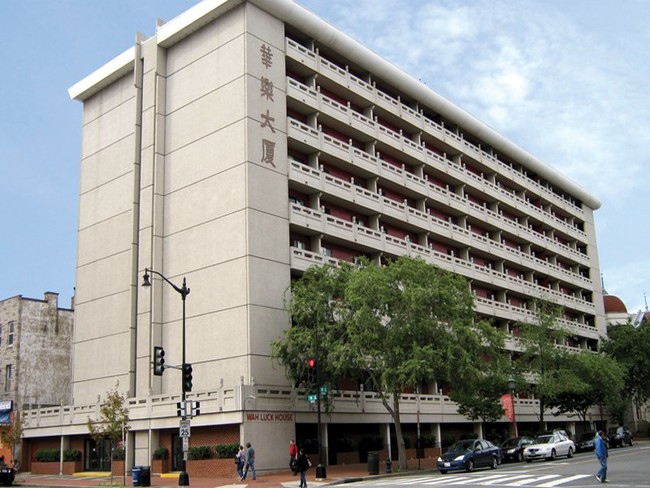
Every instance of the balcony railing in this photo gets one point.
(419, 122)
(379, 204)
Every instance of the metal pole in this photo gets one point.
(514, 417)
(320, 469)
(183, 477)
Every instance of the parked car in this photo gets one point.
(586, 442)
(513, 448)
(549, 446)
(619, 437)
(469, 454)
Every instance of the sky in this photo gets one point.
(568, 81)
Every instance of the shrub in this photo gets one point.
(47, 455)
(343, 444)
(371, 444)
(429, 440)
(469, 435)
(118, 454)
(448, 441)
(71, 455)
(161, 453)
(200, 452)
(225, 451)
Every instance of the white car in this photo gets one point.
(549, 446)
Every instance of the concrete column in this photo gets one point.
(388, 443)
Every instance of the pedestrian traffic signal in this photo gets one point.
(158, 360)
(187, 377)
(312, 371)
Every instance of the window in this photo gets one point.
(10, 338)
(0, 334)
(8, 377)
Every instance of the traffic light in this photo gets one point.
(158, 360)
(312, 371)
(187, 377)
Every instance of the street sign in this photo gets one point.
(186, 446)
(323, 390)
(184, 429)
(311, 398)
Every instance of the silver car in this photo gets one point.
(549, 446)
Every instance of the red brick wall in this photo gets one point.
(211, 468)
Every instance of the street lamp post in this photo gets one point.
(511, 385)
(183, 477)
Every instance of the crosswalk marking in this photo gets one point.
(509, 479)
(563, 480)
(415, 481)
(535, 479)
(517, 480)
(444, 480)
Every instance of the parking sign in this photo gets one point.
(184, 429)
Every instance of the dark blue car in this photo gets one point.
(469, 454)
(513, 448)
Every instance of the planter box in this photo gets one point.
(52, 467)
(160, 466)
(347, 457)
(117, 467)
(429, 452)
(212, 468)
(45, 468)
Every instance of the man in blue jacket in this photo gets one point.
(600, 450)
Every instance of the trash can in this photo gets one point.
(145, 475)
(373, 463)
(389, 465)
(135, 475)
(321, 473)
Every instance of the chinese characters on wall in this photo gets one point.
(266, 93)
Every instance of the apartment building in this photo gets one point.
(248, 140)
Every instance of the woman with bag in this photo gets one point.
(303, 464)
(239, 462)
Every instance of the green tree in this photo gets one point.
(482, 402)
(395, 327)
(478, 395)
(594, 379)
(630, 346)
(12, 434)
(113, 421)
(542, 359)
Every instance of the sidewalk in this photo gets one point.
(283, 479)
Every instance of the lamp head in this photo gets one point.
(511, 384)
(145, 278)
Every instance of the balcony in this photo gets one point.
(394, 106)
(436, 226)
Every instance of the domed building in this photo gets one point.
(615, 310)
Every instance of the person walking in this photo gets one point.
(250, 461)
(293, 456)
(240, 460)
(600, 450)
(302, 465)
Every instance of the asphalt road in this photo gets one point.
(629, 467)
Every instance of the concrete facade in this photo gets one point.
(248, 140)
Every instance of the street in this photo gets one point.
(628, 467)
